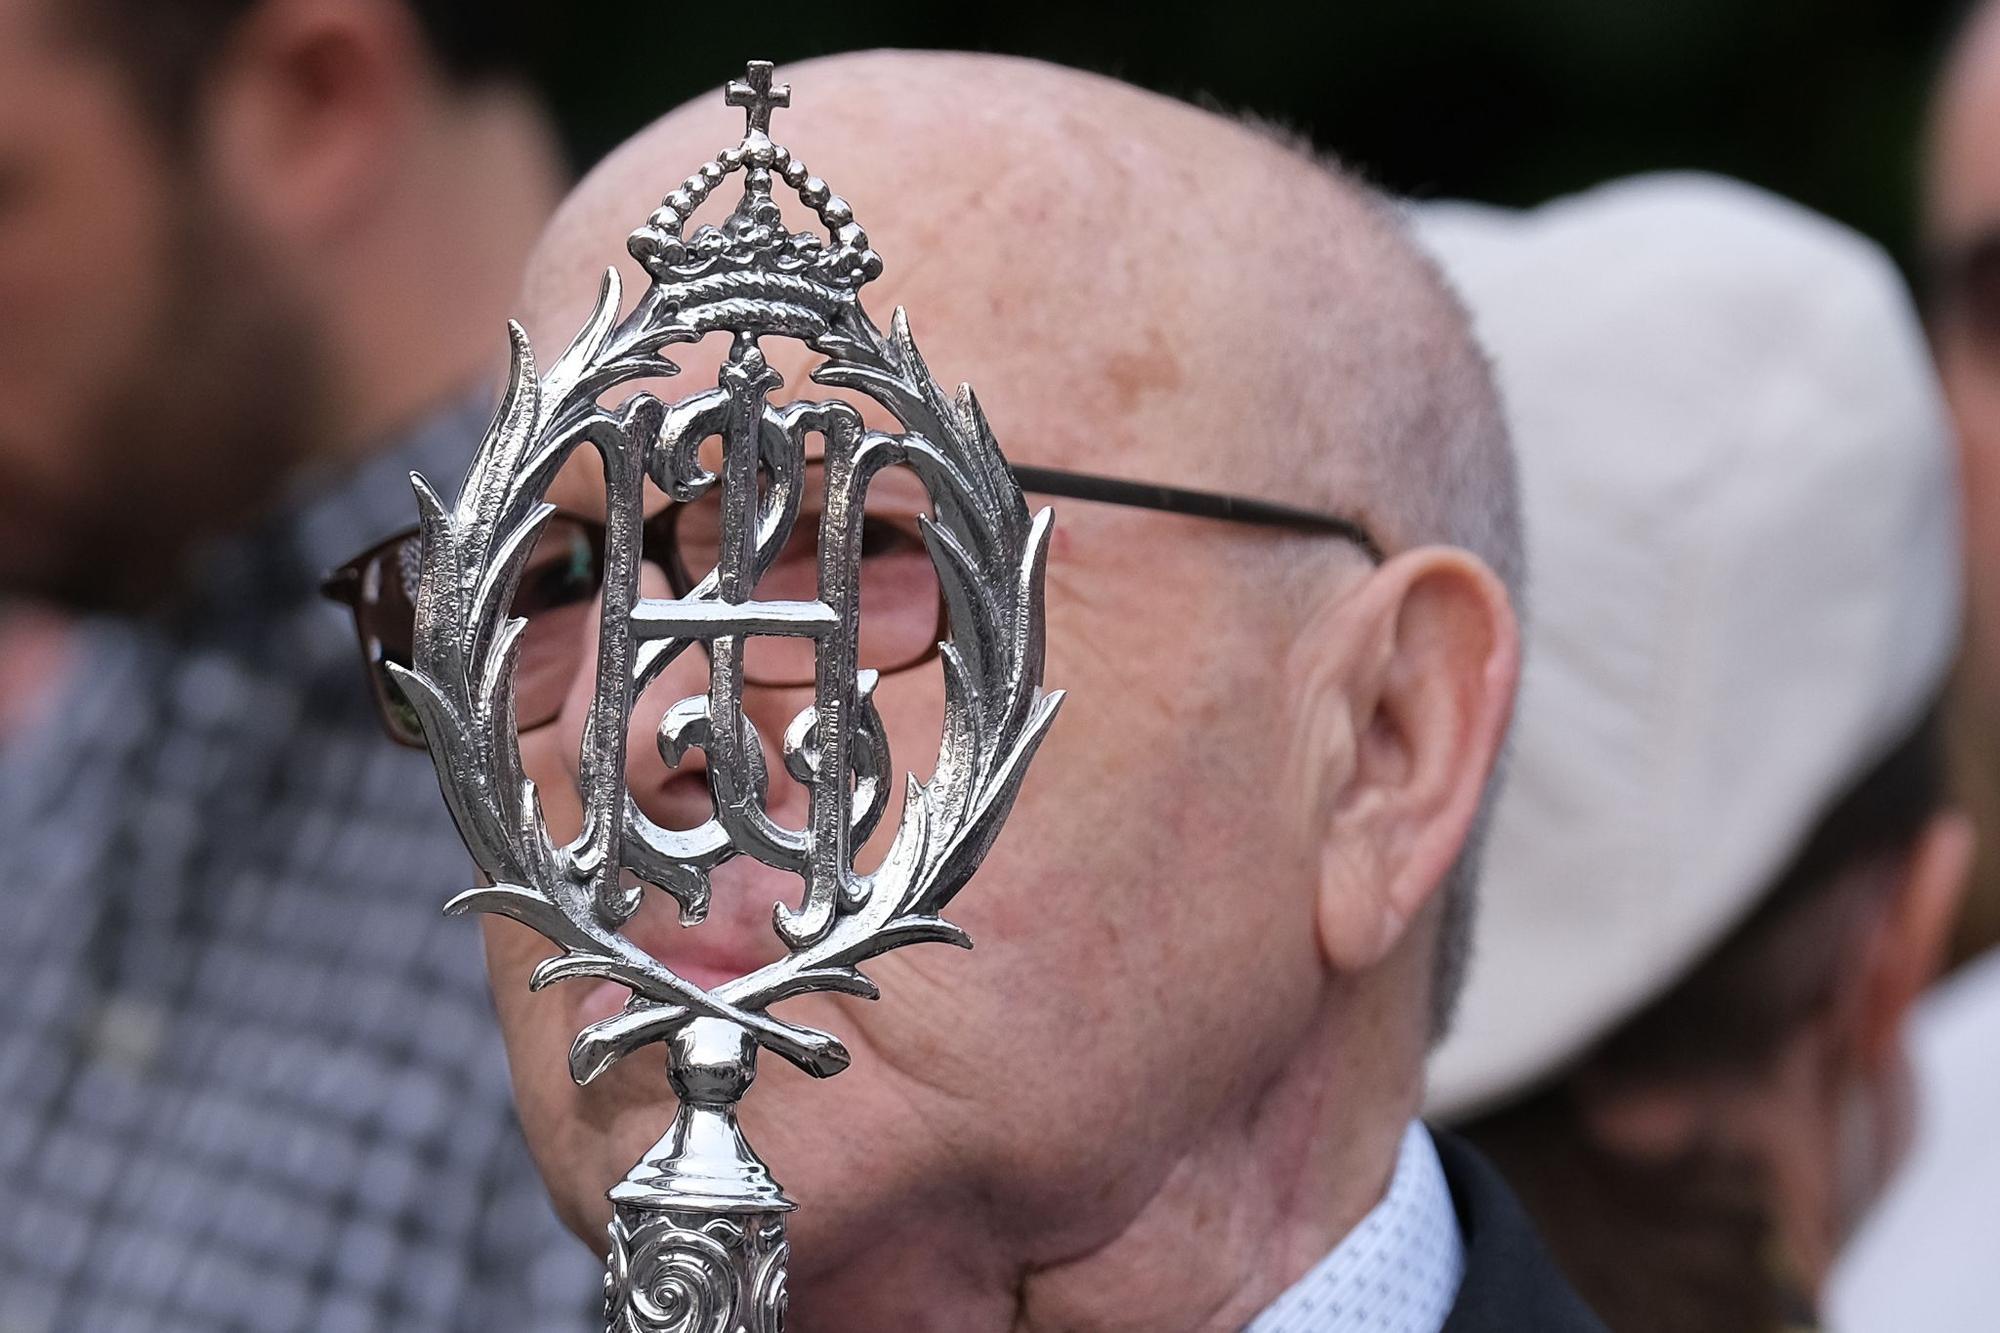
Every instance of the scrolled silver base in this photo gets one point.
(682, 1272)
(698, 1226)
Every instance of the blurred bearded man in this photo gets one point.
(1924, 1260)
(1173, 1088)
(1961, 240)
(251, 256)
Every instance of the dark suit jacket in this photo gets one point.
(1510, 1285)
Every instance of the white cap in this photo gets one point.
(1741, 514)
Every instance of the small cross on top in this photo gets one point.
(754, 93)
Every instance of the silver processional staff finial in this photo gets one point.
(698, 1239)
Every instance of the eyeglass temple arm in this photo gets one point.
(1199, 504)
(343, 584)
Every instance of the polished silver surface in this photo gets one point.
(698, 1240)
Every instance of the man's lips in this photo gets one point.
(735, 939)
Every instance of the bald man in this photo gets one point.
(1174, 1087)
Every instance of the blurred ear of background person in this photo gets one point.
(1724, 866)
(255, 259)
(1926, 1258)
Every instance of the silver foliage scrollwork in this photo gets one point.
(768, 1287)
(753, 278)
(989, 555)
(674, 1273)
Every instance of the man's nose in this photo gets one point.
(676, 796)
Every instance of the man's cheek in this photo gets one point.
(542, 760)
(512, 952)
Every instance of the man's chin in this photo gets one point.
(49, 558)
(583, 1138)
(587, 1138)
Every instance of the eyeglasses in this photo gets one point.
(902, 608)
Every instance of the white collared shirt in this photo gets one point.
(1924, 1258)
(1397, 1272)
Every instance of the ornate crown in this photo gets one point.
(754, 242)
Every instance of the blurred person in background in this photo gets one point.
(1960, 229)
(1926, 1258)
(255, 257)
(1724, 865)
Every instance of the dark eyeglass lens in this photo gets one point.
(385, 609)
(557, 594)
(901, 605)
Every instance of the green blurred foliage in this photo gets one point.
(1512, 101)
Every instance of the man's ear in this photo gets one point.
(303, 111)
(1907, 949)
(1410, 683)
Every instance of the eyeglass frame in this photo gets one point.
(343, 584)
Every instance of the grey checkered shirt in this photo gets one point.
(1396, 1272)
(249, 1077)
